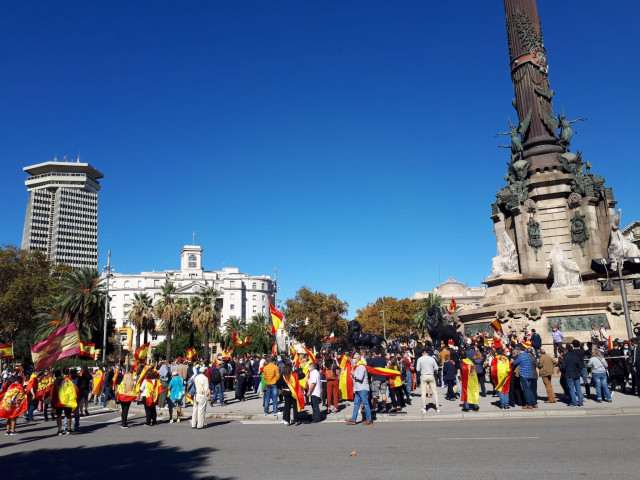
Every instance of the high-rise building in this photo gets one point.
(62, 212)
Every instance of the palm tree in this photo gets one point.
(233, 324)
(141, 315)
(433, 300)
(263, 321)
(168, 310)
(205, 315)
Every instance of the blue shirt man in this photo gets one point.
(524, 362)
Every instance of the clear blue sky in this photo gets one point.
(350, 144)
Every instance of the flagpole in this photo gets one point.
(106, 309)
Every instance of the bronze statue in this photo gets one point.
(515, 133)
(565, 128)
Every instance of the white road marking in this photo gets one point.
(489, 438)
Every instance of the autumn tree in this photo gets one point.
(313, 315)
(398, 317)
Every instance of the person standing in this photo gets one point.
(241, 376)
(427, 367)
(314, 390)
(216, 384)
(64, 399)
(31, 391)
(598, 366)
(594, 336)
(165, 376)
(523, 361)
(557, 337)
(125, 395)
(331, 373)
(449, 375)
(604, 336)
(378, 382)
(271, 374)
(572, 365)
(85, 381)
(150, 392)
(479, 361)
(175, 396)
(13, 402)
(581, 354)
(501, 377)
(200, 400)
(536, 342)
(547, 365)
(360, 391)
(108, 382)
(293, 395)
(470, 395)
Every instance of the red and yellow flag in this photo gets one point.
(470, 386)
(497, 326)
(6, 350)
(345, 383)
(191, 353)
(116, 374)
(65, 394)
(87, 349)
(227, 354)
(296, 358)
(501, 373)
(153, 391)
(188, 398)
(13, 401)
(61, 344)
(276, 318)
(296, 390)
(142, 376)
(274, 349)
(98, 380)
(44, 387)
(142, 353)
(453, 306)
(312, 356)
(386, 372)
(126, 396)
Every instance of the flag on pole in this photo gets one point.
(496, 326)
(87, 349)
(191, 353)
(142, 376)
(296, 358)
(331, 337)
(274, 349)
(240, 343)
(142, 353)
(227, 354)
(276, 318)
(453, 306)
(312, 357)
(6, 351)
(61, 344)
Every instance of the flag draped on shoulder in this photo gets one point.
(61, 344)
(153, 391)
(98, 380)
(142, 353)
(276, 318)
(13, 401)
(296, 358)
(142, 377)
(44, 387)
(345, 383)
(116, 374)
(296, 390)
(6, 350)
(124, 395)
(501, 373)
(64, 394)
(470, 386)
(386, 372)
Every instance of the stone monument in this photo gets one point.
(553, 217)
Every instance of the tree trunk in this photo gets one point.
(206, 344)
(137, 338)
(192, 339)
(146, 332)
(169, 342)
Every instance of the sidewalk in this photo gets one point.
(252, 409)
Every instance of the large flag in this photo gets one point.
(87, 349)
(61, 344)
(312, 357)
(470, 386)
(44, 387)
(6, 351)
(386, 372)
(345, 383)
(142, 353)
(276, 318)
(296, 358)
(191, 353)
(501, 373)
(98, 380)
(227, 354)
(13, 402)
(331, 338)
(497, 326)
(296, 390)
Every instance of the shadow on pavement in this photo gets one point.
(131, 460)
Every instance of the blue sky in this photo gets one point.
(349, 144)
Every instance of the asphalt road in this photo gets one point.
(541, 448)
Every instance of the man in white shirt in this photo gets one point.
(427, 367)
(200, 400)
(314, 390)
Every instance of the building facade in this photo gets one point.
(62, 212)
(242, 295)
(466, 298)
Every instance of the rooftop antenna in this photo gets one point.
(194, 238)
(64, 159)
(78, 160)
(55, 157)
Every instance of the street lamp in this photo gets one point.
(108, 270)
(384, 327)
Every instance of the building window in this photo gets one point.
(232, 283)
(126, 284)
(263, 298)
(264, 310)
(233, 296)
(262, 285)
(193, 261)
(232, 307)
(154, 336)
(156, 283)
(254, 286)
(255, 309)
(139, 283)
(255, 297)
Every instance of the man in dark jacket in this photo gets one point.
(582, 353)
(618, 370)
(536, 342)
(572, 365)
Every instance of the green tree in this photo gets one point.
(398, 317)
(260, 342)
(168, 311)
(314, 315)
(205, 315)
(141, 315)
(233, 324)
(432, 300)
(180, 343)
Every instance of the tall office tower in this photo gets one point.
(62, 212)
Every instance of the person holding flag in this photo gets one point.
(64, 399)
(293, 395)
(125, 395)
(470, 396)
(501, 377)
(149, 394)
(361, 391)
(13, 403)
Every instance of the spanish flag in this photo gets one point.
(501, 373)
(274, 349)
(153, 391)
(296, 358)
(246, 341)
(6, 351)
(227, 354)
(44, 387)
(312, 357)
(65, 394)
(142, 376)
(191, 353)
(98, 380)
(87, 349)
(61, 344)
(124, 396)
(116, 374)
(189, 398)
(345, 384)
(453, 306)
(386, 372)
(470, 386)
(13, 401)
(296, 390)
(142, 353)
(276, 318)
(496, 325)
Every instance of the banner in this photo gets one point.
(61, 344)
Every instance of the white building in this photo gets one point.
(242, 295)
(62, 212)
(466, 298)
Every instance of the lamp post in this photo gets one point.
(384, 327)
(108, 269)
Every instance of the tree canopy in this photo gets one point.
(398, 317)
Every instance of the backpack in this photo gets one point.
(216, 377)
(191, 386)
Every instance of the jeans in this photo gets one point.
(32, 408)
(574, 389)
(529, 398)
(361, 397)
(470, 406)
(481, 381)
(315, 406)
(585, 380)
(107, 396)
(216, 391)
(602, 389)
(408, 383)
(504, 399)
(271, 393)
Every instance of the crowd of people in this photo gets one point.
(507, 367)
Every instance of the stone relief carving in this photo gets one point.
(566, 273)
(535, 238)
(619, 247)
(507, 259)
(516, 191)
(530, 206)
(579, 230)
